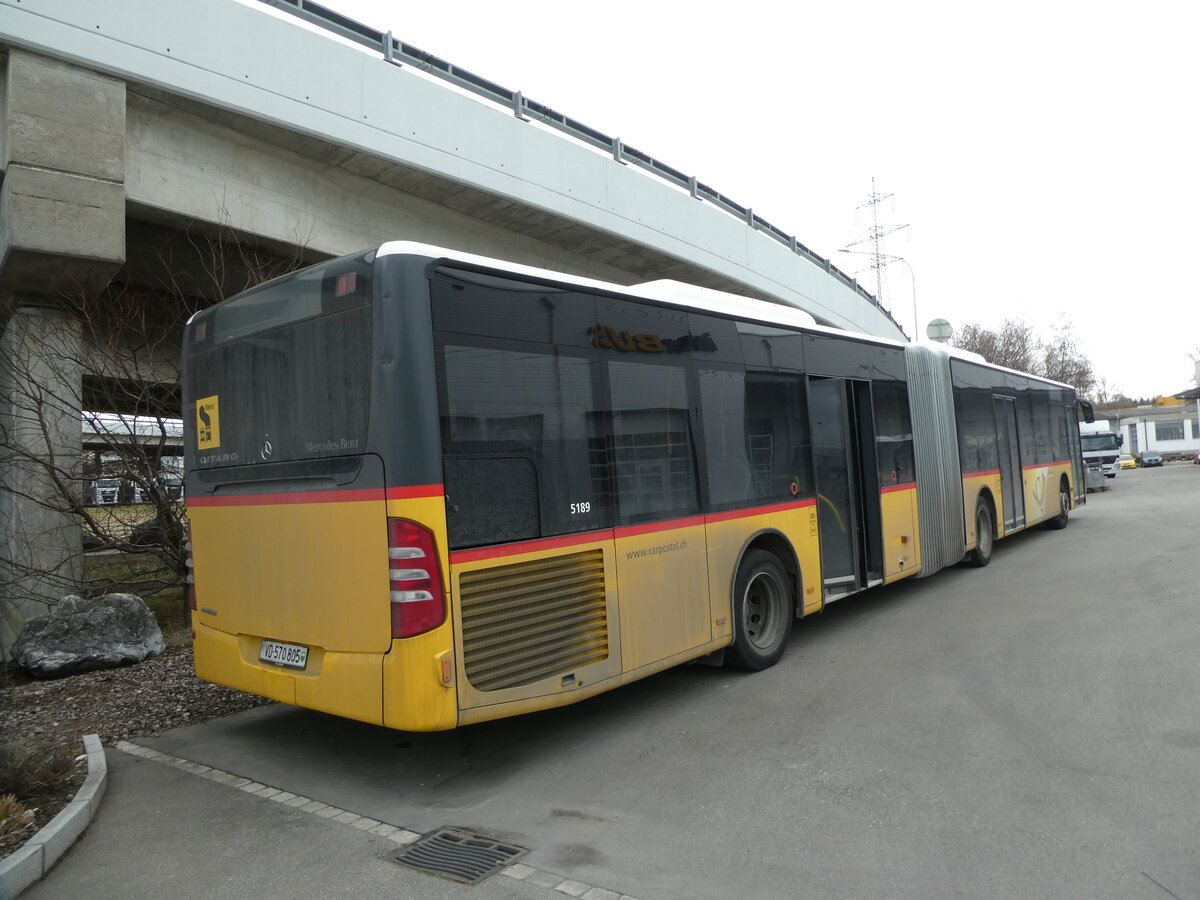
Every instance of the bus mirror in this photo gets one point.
(1089, 411)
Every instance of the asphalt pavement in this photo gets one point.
(171, 829)
(1025, 730)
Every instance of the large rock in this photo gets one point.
(82, 635)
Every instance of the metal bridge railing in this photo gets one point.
(397, 52)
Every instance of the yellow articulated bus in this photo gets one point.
(428, 489)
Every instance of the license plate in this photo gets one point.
(290, 656)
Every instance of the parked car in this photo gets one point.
(1196, 459)
(1128, 461)
(1151, 458)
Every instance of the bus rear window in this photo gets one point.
(282, 372)
(322, 290)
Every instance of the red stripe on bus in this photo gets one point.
(567, 540)
(653, 527)
(625, 531)
(732, 514)
(331, 496)
(892, 488)
(416, 491)
(571, 540)
(1062, 462)
(282, 499)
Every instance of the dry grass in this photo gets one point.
(118, 521)
(37, 779)
(14, 816)
(32, 771)
(132, 573)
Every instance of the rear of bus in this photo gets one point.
(318, 569)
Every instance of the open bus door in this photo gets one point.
(1012, 491)
(848, 511)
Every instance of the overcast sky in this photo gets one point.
(1043, 155)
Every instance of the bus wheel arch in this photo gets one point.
(764, 603)
(1064, 505)
(775, 543)
(985, 529)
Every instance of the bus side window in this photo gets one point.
(515, 423)
(777, 436)
(1060, 403)
(728, 474)
(650, 451)
(893, 433)
(491, 500)
(977, 429)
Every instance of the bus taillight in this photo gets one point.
(189, 587)
(418, 601)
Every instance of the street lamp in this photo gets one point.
(912, 277)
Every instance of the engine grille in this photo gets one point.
(528, 621)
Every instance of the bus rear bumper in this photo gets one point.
(345, 684)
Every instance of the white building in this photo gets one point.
(1171, 430)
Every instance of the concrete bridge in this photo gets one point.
(146, 143)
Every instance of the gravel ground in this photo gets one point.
(117, 704)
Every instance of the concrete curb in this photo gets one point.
(44, 849)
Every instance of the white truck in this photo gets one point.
(1101, 447)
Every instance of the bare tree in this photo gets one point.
(1118, 400)
(1013, 345)
(115, 355)
(1108, 396)
(1063, 360)
(1103, 393)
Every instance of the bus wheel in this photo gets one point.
(985, 535)
(762, 612)
(1064, 506)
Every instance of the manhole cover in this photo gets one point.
(459, 855)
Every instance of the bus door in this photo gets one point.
(1011, 491)
(848, 514)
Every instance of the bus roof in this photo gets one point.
(675, 293)
(678, 293)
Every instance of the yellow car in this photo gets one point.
(1128, 461)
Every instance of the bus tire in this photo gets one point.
(1064, 506)
(762, 612)
(985, 534)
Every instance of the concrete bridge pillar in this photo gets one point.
(62, 231)
(41, 449)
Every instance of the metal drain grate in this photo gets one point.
(458, 855)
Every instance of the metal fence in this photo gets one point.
(396, 52)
